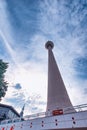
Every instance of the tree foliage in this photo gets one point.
(3, 83)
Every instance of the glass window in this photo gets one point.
(7, 113)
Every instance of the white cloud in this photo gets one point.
(30, 68)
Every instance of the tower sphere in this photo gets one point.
(49, 44)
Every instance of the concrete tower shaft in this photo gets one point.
(57, 94)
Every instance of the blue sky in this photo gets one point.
(25, 26)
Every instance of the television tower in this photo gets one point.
(57, 93)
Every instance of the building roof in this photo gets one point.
(10, 108)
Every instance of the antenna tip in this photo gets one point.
(49, 44)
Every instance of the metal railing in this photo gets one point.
(68, 110)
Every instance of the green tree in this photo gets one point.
(3, 83)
